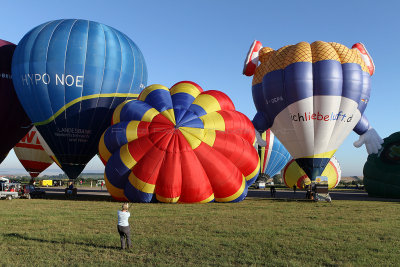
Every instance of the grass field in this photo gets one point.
(254, 232)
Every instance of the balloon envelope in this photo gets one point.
(69, 76)
(179, 145)
(311, 96)
(31, 153)
(382, 170)
(294, 175)
(274, 156)
(13, 119)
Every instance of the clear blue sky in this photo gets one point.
(206, 42)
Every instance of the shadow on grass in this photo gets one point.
(287, 195)
(80, 197)
(19, 236)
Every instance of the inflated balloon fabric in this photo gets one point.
(31, 153)
(294, 175)
(179, 145)
(382, 170)
(14, 121)
(69, 76)
(311, 96)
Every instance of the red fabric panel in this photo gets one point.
(224, 101)
(192, 83)
(34, 166)
(169, 180)
(195, 184)
(237, 123)
(224, 176)
(238, 151)
(148, 167)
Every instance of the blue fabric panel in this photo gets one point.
(195, 123)
(181, 102)
(116, 171)
(327, 77)
(362, 126)
(134, 110)
(160, 100)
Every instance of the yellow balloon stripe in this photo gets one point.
(167, 200)
(234, 196)
(207, 200)
(131, 131)
(207, 102)
(327, 155)
(126, 157)
(192, 135)
(170, 115)
(61, 110)
(150, 89)
(114, 191)
(140, 185)
(195, 136)
(254, 173)
(150, 114)
(117, 112)
(213, 121)
(103, 151)
(186, 88)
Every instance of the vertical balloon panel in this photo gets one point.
(273, 156)
(13, 118)
(70, 75)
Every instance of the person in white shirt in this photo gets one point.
(123, 226)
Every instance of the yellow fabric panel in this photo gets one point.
(131, 131)
(332, 175)
(126, 156)
(207, 102)
(103, 151)
(207, 200)
(140, 185)
(255, 172)
(209, 137)
(235, 195)
(195, 136)
(167, 200)
(114, 191)
(150, 89)
(185, 88)
(150, 114)
(117, 112)
(213, 121)
(327, 155)
(170, 115)
(192, 135)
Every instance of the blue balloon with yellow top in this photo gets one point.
(69, 76)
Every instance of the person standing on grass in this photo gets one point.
(102, 183)
(123, 226)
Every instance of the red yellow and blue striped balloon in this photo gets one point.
(179, 145)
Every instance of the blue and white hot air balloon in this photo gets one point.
(312, 96)
(69, 76)
(273, 156)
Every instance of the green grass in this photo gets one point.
(254, 232)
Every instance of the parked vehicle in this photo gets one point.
(30, 191)
(9, 190)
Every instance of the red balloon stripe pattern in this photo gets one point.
(181, 145)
